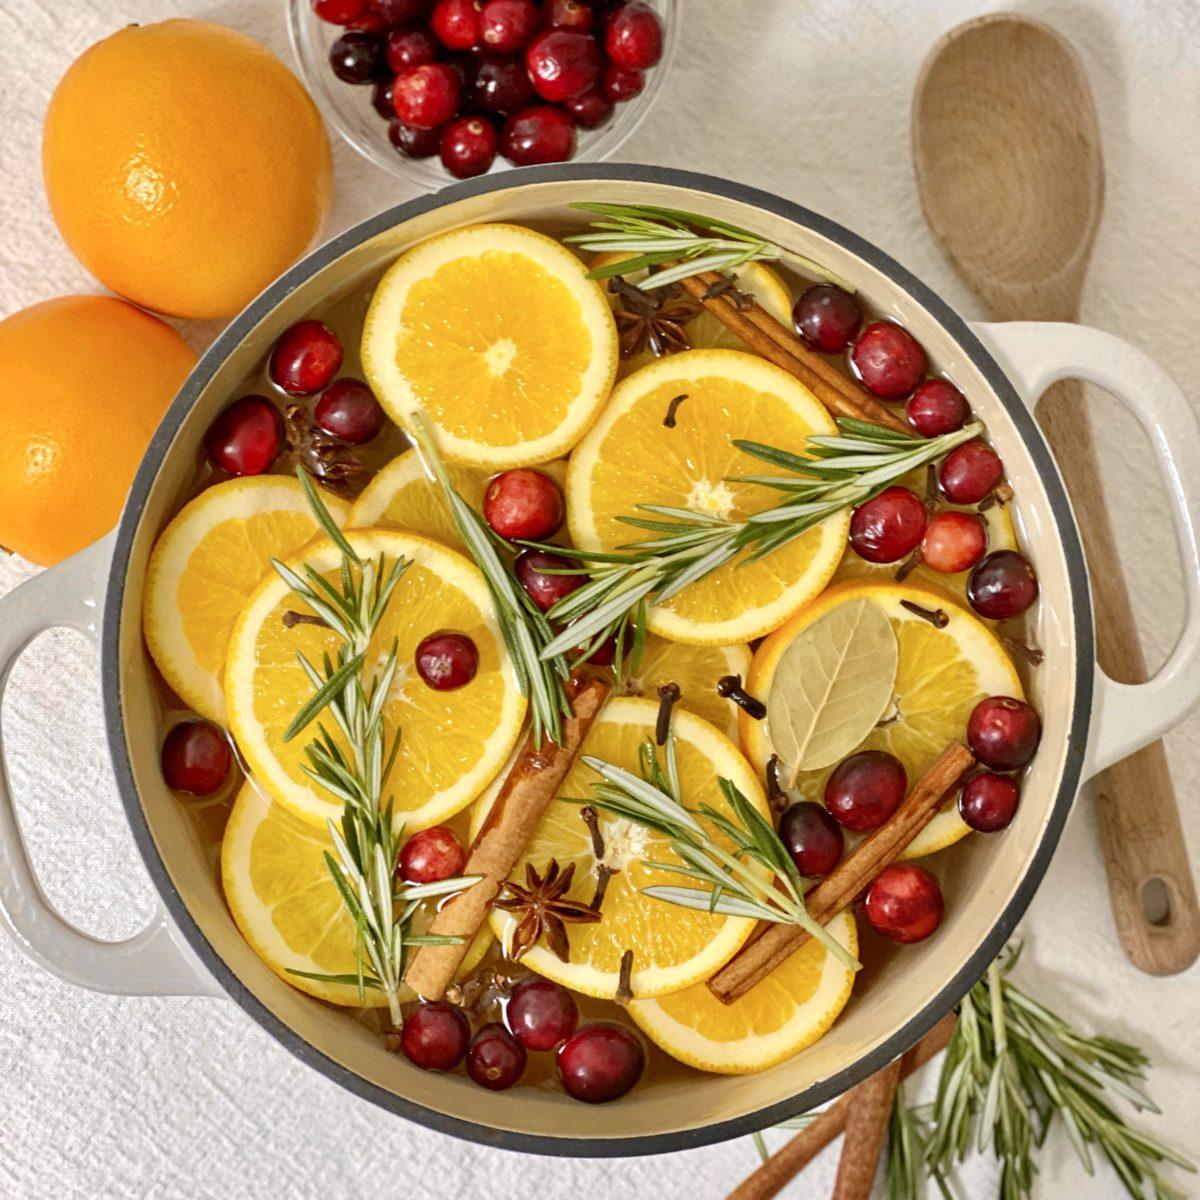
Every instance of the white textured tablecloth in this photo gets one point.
(102, 1096)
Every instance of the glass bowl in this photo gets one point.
(347, 107)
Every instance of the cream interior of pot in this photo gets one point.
(979, 876)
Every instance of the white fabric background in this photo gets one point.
(102, 1096)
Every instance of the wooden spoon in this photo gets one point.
(1008, 161)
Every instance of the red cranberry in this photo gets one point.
(431, 856)
(369, 22)
(812, 837)
(524, 505)
(401, 12)
(827, 317)
(937, 407)
(306, 357)
(541, 1014)
(604, 654)
(447, 660)
(427, 96)
(502, 85)
(381, 97)
(988, 802)
(562, 63)
(600, 1063)
(865, 789)
(348, 410)
(195, 758)
(969, 472)
(507, 25)
(590, 109)
(410, 48)
(435, 1036)
(541, 134)
(495, 1059)
(357, 57)
(889, 526)
(338, 12)
(1003, 732)
(621, 83)
(634, 37)
(413, 142)
(1002, 585)
(456, 23)
(568, 14)
(888, 359)
(536, 573)
(468, 146)
(246, 438)
(953, 542)
(905, 903)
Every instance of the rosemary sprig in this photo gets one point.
(541, 673)
(689, 242)
(756, 879)
(356, 769)
(836, 472)
(1012, 1068)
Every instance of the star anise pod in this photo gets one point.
(651, 321)
(323, 456)
(544, 909)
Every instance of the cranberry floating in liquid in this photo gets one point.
(601, 1063)
(827, 317)
(541, 1014)
(634, 36)
(435, 1036)
(904, 903)
(590, 109)
(865, 789)
(431, 856)
(468, 146)
(563, 63)
(953, 542)
(195, 758)
(1003, 732)
(413, 142)
(812, 837)
(456, 23)
(1002, 585)
(305, 358)
(410, 48)
(888, 527)
(427, 96)
(495, 1059)
(447, 660)
(348, 410)
(338, 12)
(889, 360)
(541, 134)
(524, 505)
(357, 57)
(246, 438)
(969, 472)
(502, 85)
(539, 573)
(508, 25)
(988, 802)
(936, 407)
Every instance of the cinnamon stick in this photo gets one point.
(531, 783)
(835, 892)
(787, 1162)
(775, 342)
(866, 1129)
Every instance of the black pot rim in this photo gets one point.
(921, 1021)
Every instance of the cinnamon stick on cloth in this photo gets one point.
(835, 892)
(787, 1162)
(866, 1129)
(531, 783)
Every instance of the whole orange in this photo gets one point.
(84, 381)
(185, 166)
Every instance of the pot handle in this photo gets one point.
(154, 962)
(1036, 354)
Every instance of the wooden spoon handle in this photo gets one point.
(1158, 922)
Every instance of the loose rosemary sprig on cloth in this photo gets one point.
(1012, 1068)
(756, 879)
(688, 242)
(837, 471)
(356, 769)
(541, 673)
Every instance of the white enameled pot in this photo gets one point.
(191, 947)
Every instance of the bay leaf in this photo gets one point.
(832, 686)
